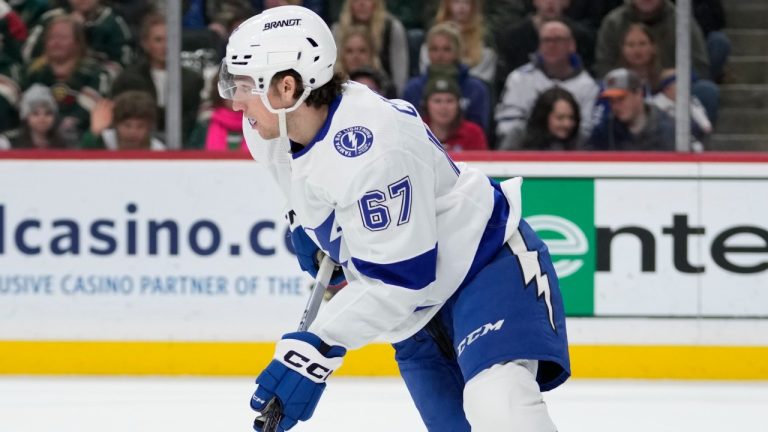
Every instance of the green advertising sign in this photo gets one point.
(562, 211)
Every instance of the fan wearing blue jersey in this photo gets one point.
(435, 254)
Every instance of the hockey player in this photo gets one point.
(436, 256)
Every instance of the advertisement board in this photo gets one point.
(144, 250)
(152, 264)
(655, 247)
(197, 250)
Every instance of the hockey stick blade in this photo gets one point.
(273, 412)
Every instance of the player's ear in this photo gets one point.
(286, 89)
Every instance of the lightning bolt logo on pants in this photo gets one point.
(529, 262)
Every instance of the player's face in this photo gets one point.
(442, 51)
(561, 120)
(154, 43)
(253, 108)
(638, 51)
(356, 53)
(443, 108)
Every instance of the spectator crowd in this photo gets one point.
(485, 74)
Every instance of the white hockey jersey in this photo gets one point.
(377, 192)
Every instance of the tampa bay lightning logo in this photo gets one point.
(353, 141)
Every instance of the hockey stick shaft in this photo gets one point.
(318, 291)
(273, 413)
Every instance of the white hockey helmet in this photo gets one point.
(278, 39)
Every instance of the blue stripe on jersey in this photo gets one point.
(493, 235)
(414, 273)
(433, 139)
(330, 241)
(323, 130)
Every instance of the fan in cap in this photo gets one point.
(620, 82)
(633, 124)
(443, 111)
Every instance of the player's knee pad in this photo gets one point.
(507, 397)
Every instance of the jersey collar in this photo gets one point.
(323, 130)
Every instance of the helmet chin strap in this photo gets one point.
(281, 116)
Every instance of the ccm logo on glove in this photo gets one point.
(299, 352)
(300, 362)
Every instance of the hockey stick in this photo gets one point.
(273, 412)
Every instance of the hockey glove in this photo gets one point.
(296, 376)
(309, 255)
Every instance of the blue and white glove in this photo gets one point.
(309, 255)
(296, 376)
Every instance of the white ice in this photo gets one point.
(109, 404)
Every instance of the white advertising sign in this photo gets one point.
(682, 247)
(144, 250)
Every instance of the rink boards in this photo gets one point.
(176, 266)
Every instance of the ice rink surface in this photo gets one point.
(107, 404)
